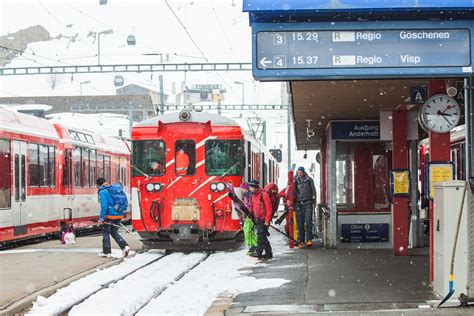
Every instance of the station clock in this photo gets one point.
(440, 114)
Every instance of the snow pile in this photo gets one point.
(81, 288)
(195, 292)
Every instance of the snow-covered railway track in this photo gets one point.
(131, 293)
(65, 309)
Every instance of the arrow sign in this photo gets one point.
(264, 62)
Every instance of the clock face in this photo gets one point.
(440, 113)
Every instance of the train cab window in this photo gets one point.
(148, 157)
(223, 157)
(5, 179)
(185, 157)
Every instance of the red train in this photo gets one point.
(48, 173)
(180, 165)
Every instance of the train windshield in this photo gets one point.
(224, 157)
(148, 157)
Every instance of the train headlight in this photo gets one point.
(213, 186)
(154, 187)
(221, 186)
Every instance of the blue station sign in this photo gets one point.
(361, 233)
(362, 50)
(355, 130)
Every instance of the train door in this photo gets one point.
(19, 189)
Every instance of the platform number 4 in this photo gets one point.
(279, 38)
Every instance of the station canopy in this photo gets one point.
(325, 84)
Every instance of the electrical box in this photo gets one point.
(447, 203)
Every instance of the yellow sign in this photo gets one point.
(439, 173)
(401, 182)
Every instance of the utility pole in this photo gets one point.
(162, 96)
(130, 118)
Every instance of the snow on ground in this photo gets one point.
(124, 297)
(222, 272)
(88, 284)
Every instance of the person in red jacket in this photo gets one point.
(261, 207)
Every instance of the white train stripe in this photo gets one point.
(175, 180)
(199, 164)
(202, 184)
(202, 142)
(220, 198)
(170, 163)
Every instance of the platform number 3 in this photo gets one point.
(279, 38)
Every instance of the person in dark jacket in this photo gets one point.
(261, 207)
(111, 220)
(305, 201)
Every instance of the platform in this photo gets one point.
(42, 268)
(342, 281)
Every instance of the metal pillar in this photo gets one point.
(469, 121)
(289, 137)
(400, 204)
(440, 146)
(416, 232)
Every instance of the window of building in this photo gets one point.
(185, 157)
(148, 157)
(5, 169)
(223, 157)
(362, 176)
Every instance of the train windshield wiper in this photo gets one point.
(228, 170)
(140, 171)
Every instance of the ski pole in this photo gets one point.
(283, 233)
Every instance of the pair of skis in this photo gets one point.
(240, 206)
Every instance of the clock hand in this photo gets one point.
(445, 114)
(449, 123)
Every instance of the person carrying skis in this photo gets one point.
(111, 218)
(261, 208)
(248, 225)
(305, 201)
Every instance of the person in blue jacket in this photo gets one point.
(111, 220)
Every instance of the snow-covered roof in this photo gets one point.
(12, 121)
(196, 117)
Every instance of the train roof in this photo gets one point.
(457, 134)
(13, 121)
(196, 117)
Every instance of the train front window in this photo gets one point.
(148, 157)
(224, 157)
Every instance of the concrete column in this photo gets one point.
(400, 209)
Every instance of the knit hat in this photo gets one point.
(301, 169)
(254, 184)
(244, 185)
(100, 181)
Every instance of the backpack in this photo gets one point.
(272, 190)
(119, 197)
